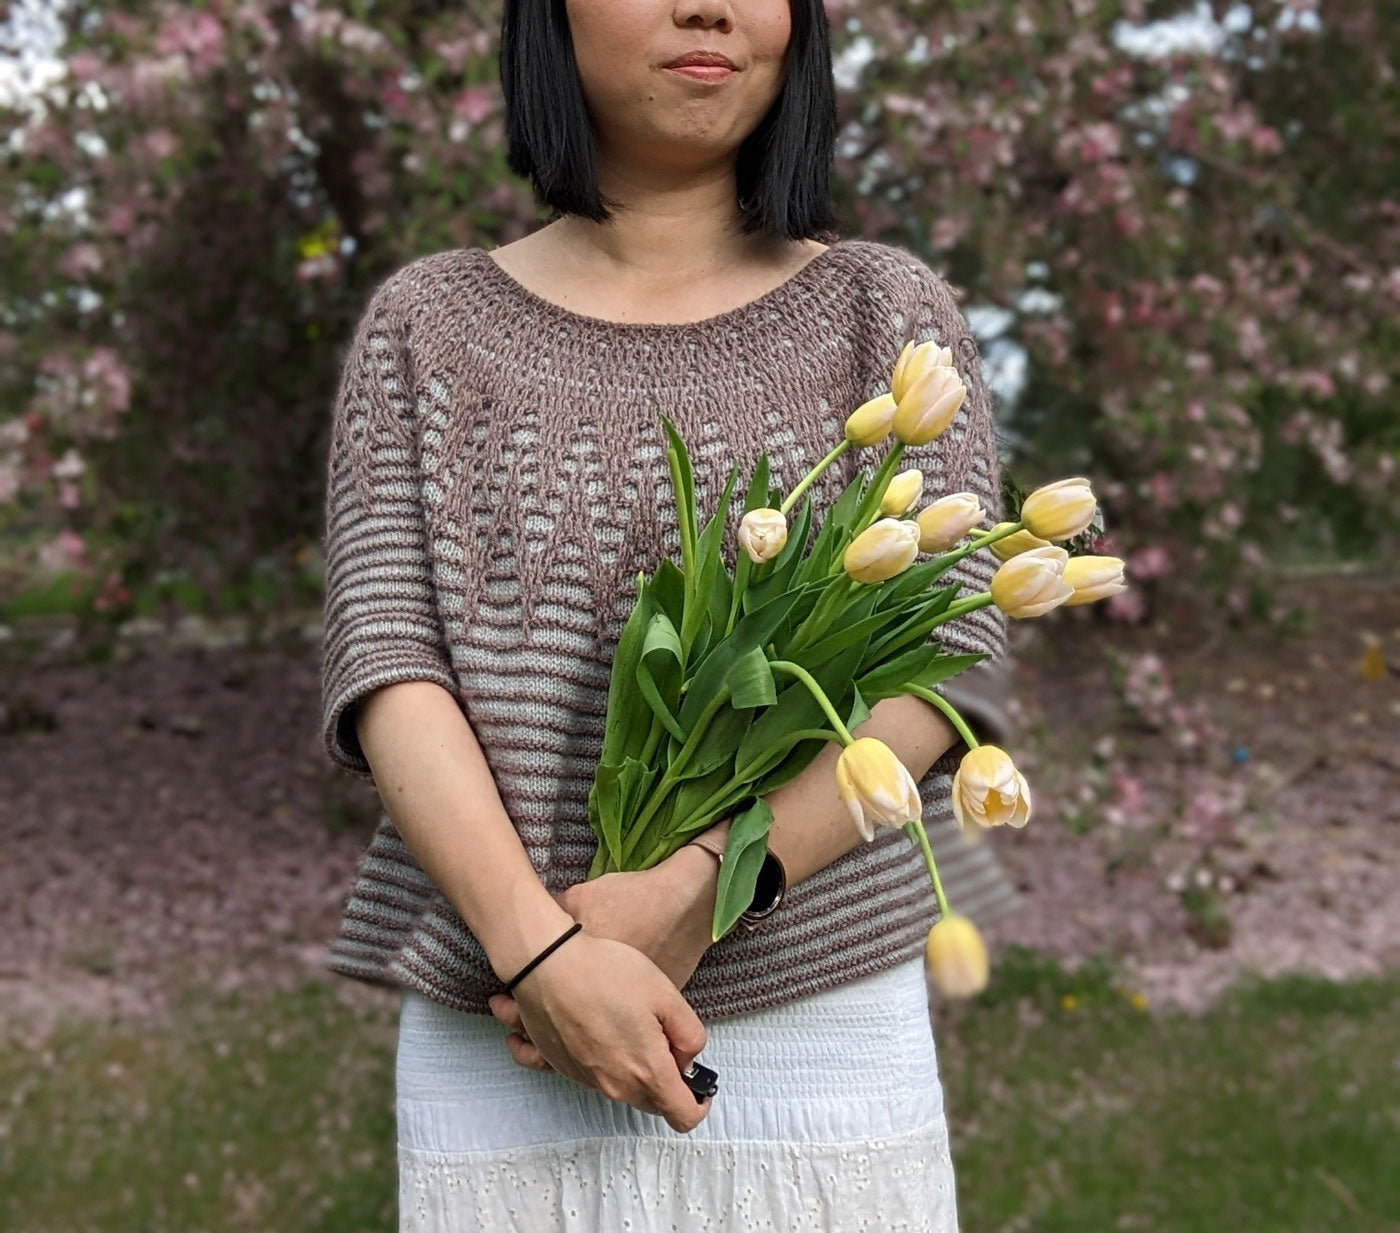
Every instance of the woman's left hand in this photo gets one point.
(665, 912)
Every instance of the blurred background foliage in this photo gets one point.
(1177, 227)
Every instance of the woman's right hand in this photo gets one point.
(603, 1014)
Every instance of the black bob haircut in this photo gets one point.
(784, 166)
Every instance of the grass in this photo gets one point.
(244, 1113)
(1072, 1108)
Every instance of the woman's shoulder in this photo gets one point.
(905, 280)
(893, 260)
(422, 280)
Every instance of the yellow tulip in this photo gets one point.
(956, 957)
(1093, 578)
(1032, 582)
(943, 523)
(989, 790)
(913, 360)
(931, 400)
(1060, 510)
(885, 548)
(763, 533)
(870, 423)
(901, 492)
(1014, 545)
(876, 786)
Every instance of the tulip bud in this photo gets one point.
(869, 423)
(989, 790)
(914, 359)
(956, 957)
(885, 548)
(763, 533)
(1032, 582)
(929, 404)
(1014, 545)
(943, 523)
(901, 492)
(1060, 510)
(1093, 578)
(876, 786)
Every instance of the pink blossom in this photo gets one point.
(63, 552)
(1152, 561)
(1315, 380)
(84, 66)
(1127, 607)
(475, 103)
(80, 261)
(198, 34)
(160, 143)
(1163, 489)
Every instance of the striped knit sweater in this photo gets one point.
(497, 477)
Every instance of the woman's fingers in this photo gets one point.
(506, 1009)
(526, 1053)
(670, 1094)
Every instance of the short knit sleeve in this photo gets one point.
(969, 462)
(382, 624)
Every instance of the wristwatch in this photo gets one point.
(769, 889)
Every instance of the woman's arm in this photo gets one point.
(439, 792)
(812, 827)
(667, 911)
(597, 1009)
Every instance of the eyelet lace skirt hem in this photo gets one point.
(829, 1118)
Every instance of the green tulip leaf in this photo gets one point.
(613, 801)
(743, 859)
(707, 563)
(924, 665)
(750, 681)
(858, 713)
(754, 630)
(659, 671)
(628, 724)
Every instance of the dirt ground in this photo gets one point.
(1287, 804)
(171, 813)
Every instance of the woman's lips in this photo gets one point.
(702, 72)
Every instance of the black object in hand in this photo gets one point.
(701, 1080)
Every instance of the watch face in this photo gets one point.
(768, 891)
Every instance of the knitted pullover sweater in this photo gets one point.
(497, 477)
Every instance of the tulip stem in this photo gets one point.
(949, 559)
(810, 478)
(638, 830)
(969, 603)
(942, 703)
(915, 831)
(870, 501)
(801, 673)
(838, 591)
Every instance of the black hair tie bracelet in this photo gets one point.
(543, 955)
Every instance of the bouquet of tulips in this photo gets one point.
(725, 686)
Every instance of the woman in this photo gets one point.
(497, 477)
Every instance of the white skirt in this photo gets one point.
(829, 1117)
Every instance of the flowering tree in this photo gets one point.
(1198, 252)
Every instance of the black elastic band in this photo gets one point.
(544, 954)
